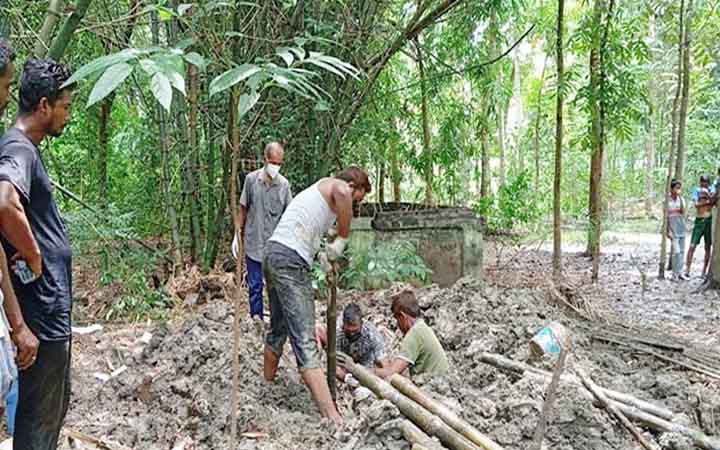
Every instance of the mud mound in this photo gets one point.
(177, 385)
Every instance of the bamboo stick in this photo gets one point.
(331, 333)
(515, 366)
(427, 421)
(612, 409)
(549, 400)
(417, 438)
(409, 389)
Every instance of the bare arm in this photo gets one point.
(342, 202)
(397, 365)
(23, 338)
(15, 227)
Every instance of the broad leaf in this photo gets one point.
(165, 14)
(232, 77)
(183, 8)
(246, 102)
(103, 63)
(149, 66)
(109, 81)
(162, 90)
(196, 60)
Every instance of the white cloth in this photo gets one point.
(305, 221)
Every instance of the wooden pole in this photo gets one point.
(408, 388)
(332, 333)
(427, 421)
(549, 400)
(417, 438)
(592, 387)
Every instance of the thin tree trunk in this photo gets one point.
(538, 114)
(195, 197)
(517, 101)
(501, 137)
(650, 137)
(714, 275)
(485, 148)
(557, 218)
(395, 174)
(427, 148)
(54, 13)
(62, 40)
(685, 99)
(103, 148)
(673, 145)
(381, 181)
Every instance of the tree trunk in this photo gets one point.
(536, 136)
(557, 218)
(501, 138)
(682, 125)
(650, 129)
(485, 148)
(54, 13)
(673, 145)
(62, 40)
(381, 181)
(427, 147)
(395, 175)
(714, 277)
(103, 148)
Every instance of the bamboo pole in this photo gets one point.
(417, 438)
(427, 421)
(549, 400)
(331, 334)
(409, 389)
(515, 366)
(612, 409)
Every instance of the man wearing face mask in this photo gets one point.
(420, 349)
(288, 256)
(265, 196)
(359, 339)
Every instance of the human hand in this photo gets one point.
(344, 360)
(335, 248)
(27, 346)
(324, 261)
(235, 248)
(351, 381)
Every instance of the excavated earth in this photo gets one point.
(175, 392)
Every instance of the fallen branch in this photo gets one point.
(99, 443)
(417, 438)
(549, 400)
(612, 409)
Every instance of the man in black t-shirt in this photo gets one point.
(33, 234)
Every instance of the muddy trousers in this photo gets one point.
(43, 398)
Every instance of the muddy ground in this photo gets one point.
(175, 391)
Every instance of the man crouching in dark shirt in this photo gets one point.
(32, 232)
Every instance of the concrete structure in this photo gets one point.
(448, 239)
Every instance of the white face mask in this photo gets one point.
(272, 170)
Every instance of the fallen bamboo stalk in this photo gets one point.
(427, 421)
(417, 438)
(660, 356)
(612, 409)
(409, 389)
(515, 366)
(645, 340)
(699, 438)
(631, 411)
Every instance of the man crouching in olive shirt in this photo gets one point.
(33, 233)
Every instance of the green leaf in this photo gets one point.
(165, 14)
(232, 77)
(196, 60)
(246, 102)
(150, 66)
(185, 43)
(103, 63)
(109, 81)
(161, 90)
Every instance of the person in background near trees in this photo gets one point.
(265, 196)
(26, 343)
(704, 199)
(32, 231)
(288, 256)
(357, 338)
(420, 349)
(676, 229)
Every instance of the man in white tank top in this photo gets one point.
(288, 256)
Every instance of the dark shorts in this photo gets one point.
(702, 230)
(292, 306)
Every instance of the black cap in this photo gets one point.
(704, 179)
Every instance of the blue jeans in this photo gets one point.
(255, 287)
(678, 252)
(11, 407)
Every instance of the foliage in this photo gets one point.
(379, 265)
(514, 206)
